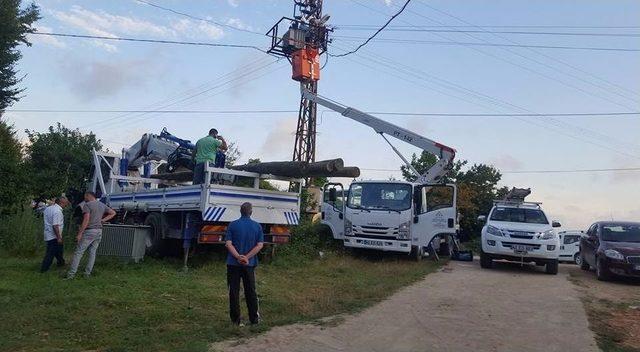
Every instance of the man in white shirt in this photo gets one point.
(53, 225)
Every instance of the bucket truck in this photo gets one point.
(386, 215)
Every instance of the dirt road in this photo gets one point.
(461, 308)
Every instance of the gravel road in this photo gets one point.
(460, 308)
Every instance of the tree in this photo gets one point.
(477, 188)
(232, 154)
(59, 160)
(13, 190)
(15, 24)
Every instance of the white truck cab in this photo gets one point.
(521, 232)
(394, 216)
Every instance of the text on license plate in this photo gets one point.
(521, 248)
(372, 243)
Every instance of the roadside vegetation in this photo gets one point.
(155, 306)
(613, 309)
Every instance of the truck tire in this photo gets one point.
(583, 263)
(486, 262)
(417, 252)
(602, 273)
(552, 267)
(155, 243)
(445, 248)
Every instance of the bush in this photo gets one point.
(307, 241)
(21, 233)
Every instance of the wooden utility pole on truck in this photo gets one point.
(302, 43)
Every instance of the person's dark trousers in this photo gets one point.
(236, 273)
(198, 174)
(54, 249)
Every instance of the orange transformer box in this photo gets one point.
(306, 65)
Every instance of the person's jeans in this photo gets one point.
(198, 173)
(236, 273)
(54, 249)
(90, 240)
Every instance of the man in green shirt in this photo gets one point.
(206, 149)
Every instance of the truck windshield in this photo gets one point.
(531, 216)
(380, 196)
(621, 233)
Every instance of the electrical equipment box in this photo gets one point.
(292, 40)
(306, 65)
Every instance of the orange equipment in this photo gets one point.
(306, 65)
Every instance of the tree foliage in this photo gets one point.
(13, 190)
(59, 160)
(477, 188)
(15, 24)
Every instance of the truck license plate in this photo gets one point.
(520, 248)
(372, 243)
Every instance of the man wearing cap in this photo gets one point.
(53, 225)
(206, 149)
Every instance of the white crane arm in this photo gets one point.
(444, 153)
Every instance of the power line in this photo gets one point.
(396, 113)
(416, 41)
(536, 171)
(376, 33)
(372, 26)
(590, 34)
(199, 18)
(158, 41)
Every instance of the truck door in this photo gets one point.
(434, 213)
(333, 209)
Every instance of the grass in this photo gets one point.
(153, 306)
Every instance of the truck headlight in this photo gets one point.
(492, 230)
(613, 254)
(404, 230)
(348, 228)
(547, 235)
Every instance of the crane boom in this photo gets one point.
(444, 153)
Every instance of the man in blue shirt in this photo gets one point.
(244, 240)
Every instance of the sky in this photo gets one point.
(412, 71)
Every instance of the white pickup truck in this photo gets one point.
(521, 232)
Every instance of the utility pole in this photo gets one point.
(305, 39)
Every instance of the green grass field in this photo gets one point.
(154, 306)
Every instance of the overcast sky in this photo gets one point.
(403, 71)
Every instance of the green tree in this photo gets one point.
(59, 160)
(477, 188)
(15, 24)
(13, 190)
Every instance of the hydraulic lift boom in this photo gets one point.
(444, 153)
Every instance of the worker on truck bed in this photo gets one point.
(206, 150)
(244, 240)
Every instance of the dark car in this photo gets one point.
(612, 248)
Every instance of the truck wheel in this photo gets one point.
(155, 242)
(417, 252)
(445, 249)
(583, 263)
(577, 259)
(602, 273)
(486, 262)
(551, 267)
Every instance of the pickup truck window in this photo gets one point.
(530, 216)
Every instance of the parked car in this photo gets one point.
(612, 248)
(570, 246)
(519, 232)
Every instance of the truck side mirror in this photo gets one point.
(555, 224)
(482, 219)
(416, 219)
(333, 195)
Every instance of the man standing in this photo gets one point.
(53, 225)
(244, 240)
(94, 213)
(206, 149)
